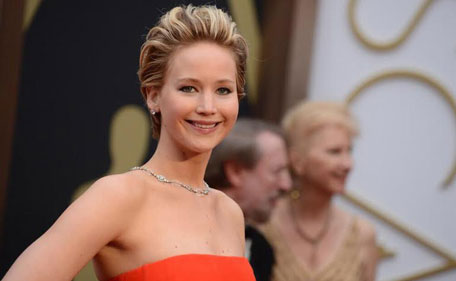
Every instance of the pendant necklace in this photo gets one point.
(314, 241)
(198, 191)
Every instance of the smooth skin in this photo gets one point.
(128, 220)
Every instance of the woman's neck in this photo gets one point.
(313, 202)
(176, 164)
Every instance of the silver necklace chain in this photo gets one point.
(160, 178)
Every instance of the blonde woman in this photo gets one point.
(312, 238)
(161, 221)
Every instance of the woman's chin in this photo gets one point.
(201, 148)
(337, 189)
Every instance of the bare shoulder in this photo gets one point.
(123, 188)
(229, 207)
(366, 230)
(120, 196)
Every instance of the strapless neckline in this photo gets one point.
(186, 260)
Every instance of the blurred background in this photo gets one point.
(71, 110)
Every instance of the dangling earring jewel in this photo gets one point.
(295, 194)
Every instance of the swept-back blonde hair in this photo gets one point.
(182, 26)
(302, 120)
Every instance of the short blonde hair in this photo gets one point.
(181, 26)
(301, 121)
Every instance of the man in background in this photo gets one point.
(251, 166)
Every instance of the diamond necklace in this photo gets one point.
(161, 178)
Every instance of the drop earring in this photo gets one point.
(295, 194)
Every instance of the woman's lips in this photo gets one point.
(204, 126)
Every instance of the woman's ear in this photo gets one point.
(153, 99)
(296, 161)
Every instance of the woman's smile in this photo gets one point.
(204, 127)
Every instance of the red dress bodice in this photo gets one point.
(199, 267)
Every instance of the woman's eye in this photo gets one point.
(223, 91)
(334, 151)
(187, 89)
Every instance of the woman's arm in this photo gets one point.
(88, 224)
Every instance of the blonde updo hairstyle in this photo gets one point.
(303, 120)
(182, 26)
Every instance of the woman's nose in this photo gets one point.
(347, 162)
(206, 104)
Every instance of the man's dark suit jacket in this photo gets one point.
(261, 255)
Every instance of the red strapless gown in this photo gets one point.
(192, 267)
